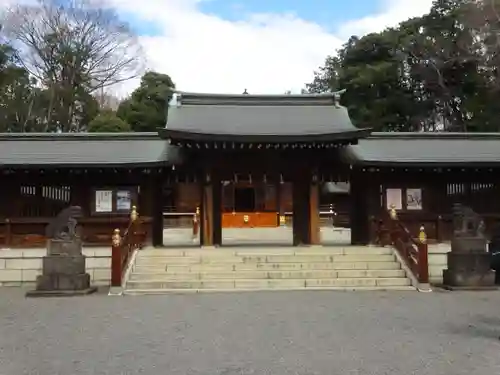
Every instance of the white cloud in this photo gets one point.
(392, 12)
(264, 53)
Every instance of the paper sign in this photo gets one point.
(414, 199)
(104, 201)
(394, 197)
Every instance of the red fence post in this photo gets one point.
(423, 263)
(116, 259)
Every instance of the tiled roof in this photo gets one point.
(259, 115)
(425, 149)
(85, 149)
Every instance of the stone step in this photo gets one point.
(310, 258)
(210, 267)
(320, 250)
(233, 275)
(266, 283)
(138, 292)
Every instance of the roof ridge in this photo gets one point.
(188, 98)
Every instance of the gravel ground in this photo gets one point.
(273, 333)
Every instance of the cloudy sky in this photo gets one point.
(265, 46)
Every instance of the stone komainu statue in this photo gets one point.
(63, 227)
(467, 222)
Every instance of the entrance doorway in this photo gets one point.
(334, 210)
(256, 212)
(181, 200)
(244, 199)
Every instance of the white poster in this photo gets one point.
(104, 201)
(123, 201)
(414, 199)
(394, 197)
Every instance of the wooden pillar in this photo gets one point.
(360, 226)
(301, 210)
(207, 213)
(217, 210)
(314, 221)
(278, 186)
(156, 210)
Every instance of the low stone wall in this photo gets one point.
(20, 267)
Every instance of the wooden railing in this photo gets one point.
(28, 232)
(413, 251)
(124, 246)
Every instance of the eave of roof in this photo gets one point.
(42, 150)
(351, 136)
(426, 149)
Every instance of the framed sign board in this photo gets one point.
(114, 200)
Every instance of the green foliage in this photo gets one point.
(18, 106)
(435, 72)
(147, 107)
(108, 122)
(64, 52)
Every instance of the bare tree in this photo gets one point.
(73, 48)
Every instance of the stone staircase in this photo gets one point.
(157, 271)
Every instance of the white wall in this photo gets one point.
(22, 266)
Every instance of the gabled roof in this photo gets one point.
(85, 149)
(259, 118)
(419, 149)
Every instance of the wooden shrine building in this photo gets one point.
(245, 161)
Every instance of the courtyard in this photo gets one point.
(305, 333)
(276, 236)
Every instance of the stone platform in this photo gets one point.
(63, 270)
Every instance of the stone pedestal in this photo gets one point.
(63, 271)
(469, 265)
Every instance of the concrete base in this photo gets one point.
(61, 293)
(470, 288)
(63, 282)
(115, 291)
(469, 270)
